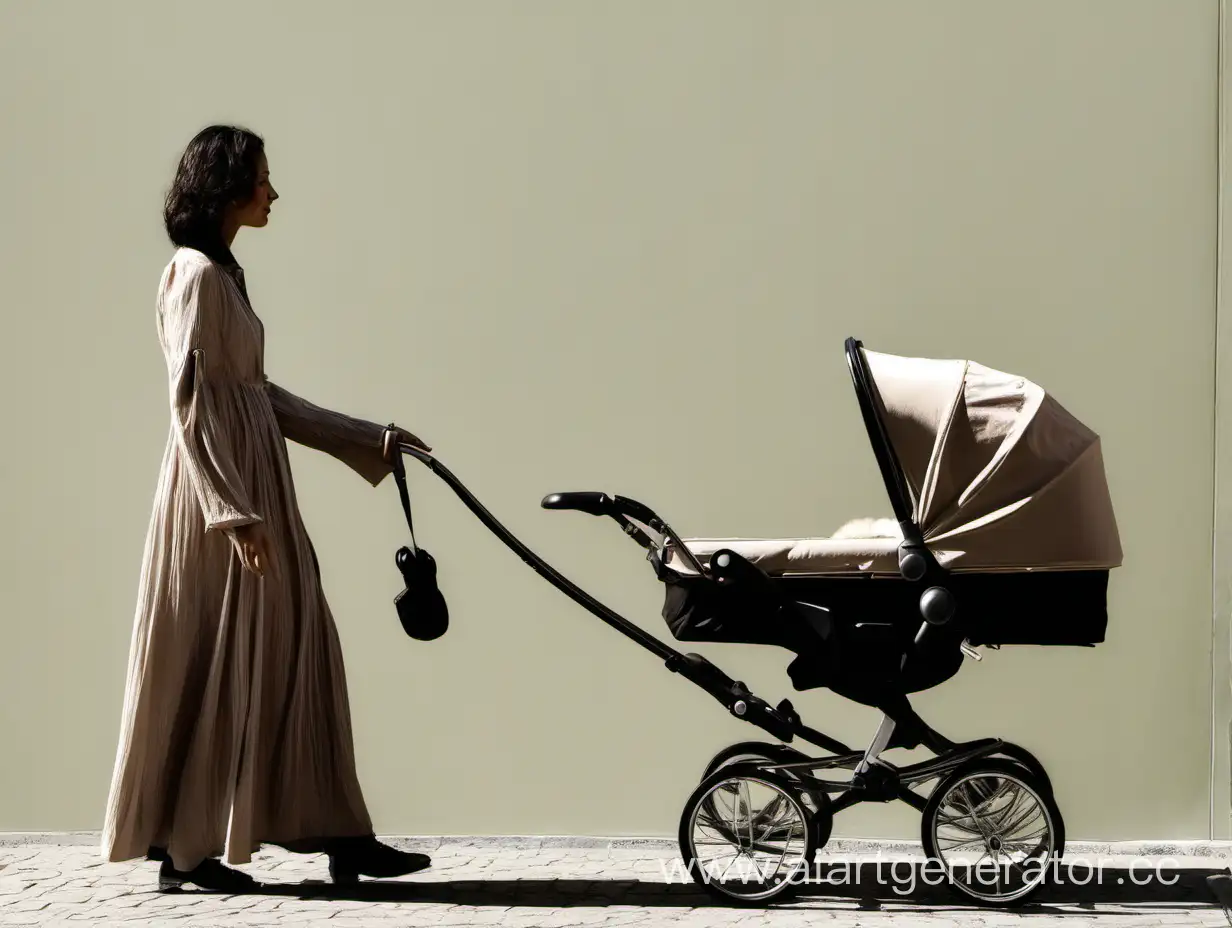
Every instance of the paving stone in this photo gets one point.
(548, 884)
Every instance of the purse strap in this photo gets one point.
(400, 477)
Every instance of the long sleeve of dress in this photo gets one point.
(354, 442)
(194, 324)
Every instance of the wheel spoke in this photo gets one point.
(735, 858)
(740, 812)
(777, 818)
(1021, 820)
(1006, 815)
(976, 842)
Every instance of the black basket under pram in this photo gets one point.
(1003, 533)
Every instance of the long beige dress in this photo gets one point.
(236, 723)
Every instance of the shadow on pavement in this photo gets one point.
(867, 885)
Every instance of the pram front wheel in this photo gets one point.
(765, 752)
(746, 836)
(1025, 758)
(995, 829)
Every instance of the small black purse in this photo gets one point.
(422, 609)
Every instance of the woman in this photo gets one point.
(236, 724)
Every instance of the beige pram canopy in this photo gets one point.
(1000, 501)
(998, 477)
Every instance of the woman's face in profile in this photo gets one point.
(256, 212)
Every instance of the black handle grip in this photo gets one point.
(600, 504)
(589, 502)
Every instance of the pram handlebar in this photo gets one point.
(535, 562)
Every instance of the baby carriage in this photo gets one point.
(1003, 534)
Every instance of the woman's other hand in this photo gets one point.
(252, 543)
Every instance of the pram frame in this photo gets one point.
(873, 778)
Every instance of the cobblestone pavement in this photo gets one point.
(553, 887)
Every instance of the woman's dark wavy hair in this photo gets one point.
(217, 169)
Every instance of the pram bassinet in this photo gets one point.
(1005, 489)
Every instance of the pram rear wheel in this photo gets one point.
(995, 829)
(746, 836)
(759, 752)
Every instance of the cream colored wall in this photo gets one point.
(615, 246)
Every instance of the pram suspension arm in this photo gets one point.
(783, 722)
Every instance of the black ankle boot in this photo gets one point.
(210, 874)
(351, 858)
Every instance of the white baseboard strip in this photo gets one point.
(1156, 849)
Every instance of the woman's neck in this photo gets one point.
(230, 229)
